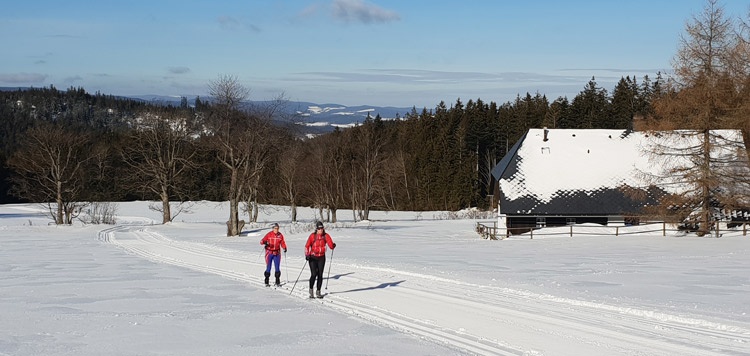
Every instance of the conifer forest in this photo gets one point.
(70, 146)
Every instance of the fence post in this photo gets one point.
(617, 231)
(717, 230)
(663, 228)
(744, 229)
(494, 230)
(571, 230)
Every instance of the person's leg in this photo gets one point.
(277, 275)
(313, 271)
(268, 262)
(267, 273)
(321, 268)
(313, 274)
(276, 262)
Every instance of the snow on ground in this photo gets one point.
(402, 283)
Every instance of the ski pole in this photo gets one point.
(286, 272)
(329, 270)
(300, 274)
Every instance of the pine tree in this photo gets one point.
(589, 108)
(623, 105)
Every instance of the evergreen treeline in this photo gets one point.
(429, 159)
(70, 147)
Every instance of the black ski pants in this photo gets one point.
(317, 265)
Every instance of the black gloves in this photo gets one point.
(307, 257)
(284, 250)
(334, 246)
(266, 244)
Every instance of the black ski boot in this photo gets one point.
(311, 293)
(268, 275)
(318, 295)
(278, 279)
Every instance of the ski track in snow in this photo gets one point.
(475, 319)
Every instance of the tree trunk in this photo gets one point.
(166, 212)
(68, 211)
(59, 200)
(232, 224)
(234, 202)
(705, 227)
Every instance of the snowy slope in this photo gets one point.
(403, 283)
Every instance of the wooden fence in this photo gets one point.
(492, 232)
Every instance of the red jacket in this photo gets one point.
(316, 244)
(275, 242)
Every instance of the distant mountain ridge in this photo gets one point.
(323, 116)
(317, 118)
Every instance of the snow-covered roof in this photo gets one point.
(561, 171)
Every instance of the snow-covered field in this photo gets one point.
(403, 283)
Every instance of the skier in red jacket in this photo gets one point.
(315, 253)
(274, 242)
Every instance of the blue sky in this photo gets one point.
(351, 52)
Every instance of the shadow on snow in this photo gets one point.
(379, 286)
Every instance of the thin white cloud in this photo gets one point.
(415, 76)
(618, 70)
(179, 70)
(309, 11)
(76, 78)
(360, 11)
(23, 78)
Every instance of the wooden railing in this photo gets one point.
(492, 232)
(487, 232)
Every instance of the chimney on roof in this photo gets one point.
(545, 134)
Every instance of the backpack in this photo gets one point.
(318, 245)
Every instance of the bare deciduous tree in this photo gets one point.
(231, 139)
(367, 167)
(742, 61)
(265, 140)
(259, 158)
(159, 154)
(320, 170)
(240, 138)
(290, 176)
(705, 95)
(50, 168)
